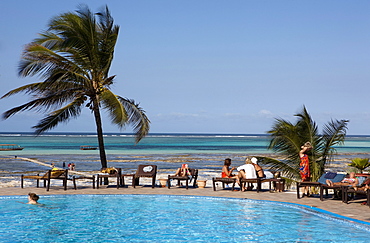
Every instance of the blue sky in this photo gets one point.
(215, 66)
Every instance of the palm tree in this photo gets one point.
(287, 139)
(72, 59)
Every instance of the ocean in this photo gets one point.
(203, 151)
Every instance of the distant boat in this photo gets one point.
(88, 147)
(8, 147)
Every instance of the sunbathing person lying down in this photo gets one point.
(348, 181)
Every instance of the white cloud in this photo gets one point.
(265, 113)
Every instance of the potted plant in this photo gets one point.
(201, 183)
(163, 182)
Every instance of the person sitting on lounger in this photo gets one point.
(258, 168)
(226, 171)
(247, 171)
(183, 171)
(348, 181)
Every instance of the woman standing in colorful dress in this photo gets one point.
(304, 166)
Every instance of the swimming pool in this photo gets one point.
(159, 218)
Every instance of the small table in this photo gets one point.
(278, 183)
(100, 177)
(128, 175)
(83, 177)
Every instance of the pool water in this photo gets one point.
(159, 218)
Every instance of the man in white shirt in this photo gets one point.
(247, 171)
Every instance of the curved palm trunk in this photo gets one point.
(99, 130)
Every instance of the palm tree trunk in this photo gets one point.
(99, 130)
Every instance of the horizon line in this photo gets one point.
(172, 133)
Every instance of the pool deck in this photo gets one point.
(352, 210)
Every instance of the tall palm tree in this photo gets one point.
(72, 59)
(287, 139)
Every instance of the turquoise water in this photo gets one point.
(203, 151)
(152, 144)
(143, 218)
(69, 143)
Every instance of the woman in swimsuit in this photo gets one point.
(226, 171)
(349, 181)
(259, 170)
(183, 171)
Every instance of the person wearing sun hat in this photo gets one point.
(258, 168)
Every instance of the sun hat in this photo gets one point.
(254, 160)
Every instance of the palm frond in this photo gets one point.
(284, 137)
(137, 118)
(288, 167)
(109, 35)
(39, 60)
(28, 88)
(46, 102)
(64, 114)
(307, 128)
(334, 133)
(117, 111)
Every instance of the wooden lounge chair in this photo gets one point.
(336, 188)
(351, 190)
(334, 177)
(49, 175)
(192, 177)
(258, 181)
(116, 173)
(223, 181)
(145, 171)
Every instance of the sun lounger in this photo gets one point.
(192, 177)
(336, 188)
(145, 171)
(49, 175)
(351, 190)
(341, 188)
(334, 177)
(115, 173)
(257, 181)
(224, 181)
